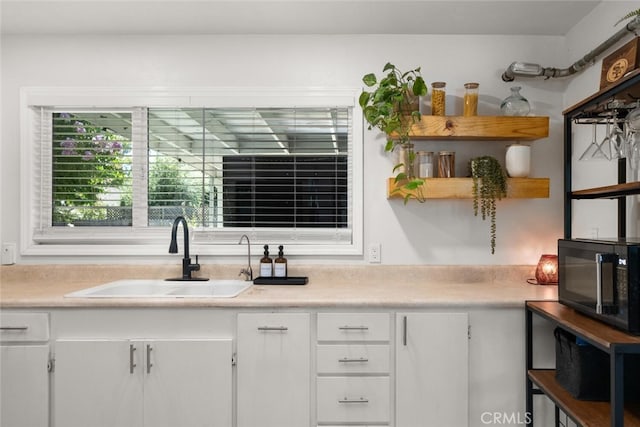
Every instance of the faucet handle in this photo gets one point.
(196, 266)
(248, 275)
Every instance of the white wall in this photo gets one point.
(595, 217)
(437, 232)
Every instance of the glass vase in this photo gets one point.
(407, 157)
(515, 104)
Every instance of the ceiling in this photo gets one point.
(84, 17)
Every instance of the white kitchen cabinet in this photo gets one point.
(348, 359)
(353, 327)
(24, 376)
(97, 383)
(163, 382)
(353, 366)
(353, 399)
(432, 369)
(24, 386)
(273, 370)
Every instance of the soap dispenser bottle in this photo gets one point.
(266, 264)
(280, 264)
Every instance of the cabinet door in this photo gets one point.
(98, 383)
(432, 369)
(188, 383)
(24, 385)
(273, 370)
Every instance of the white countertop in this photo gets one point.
(45, 286)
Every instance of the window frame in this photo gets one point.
(150, 241)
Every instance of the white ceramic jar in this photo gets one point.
(518, 161)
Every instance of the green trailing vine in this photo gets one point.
(489, 185)
(631, 14)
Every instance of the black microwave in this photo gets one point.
(601, 278)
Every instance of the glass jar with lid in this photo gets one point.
(470, 99)
(438, 95)
(425, 164)
(446, 164)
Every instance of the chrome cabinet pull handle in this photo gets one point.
(273, 328)
(13, 328)
(353, 328)
(404, 331)
(349, 360)
(360, 400)
(149, 364)
(132, 364)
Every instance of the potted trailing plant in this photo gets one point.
(391, 105)
(489, 185)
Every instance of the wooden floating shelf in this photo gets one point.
(462, 188)
(608, 192)
(497, 128)
(586, 413)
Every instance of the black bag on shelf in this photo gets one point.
(582, 369)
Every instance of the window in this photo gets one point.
(257, 167)
(117, 175)
(91, 168)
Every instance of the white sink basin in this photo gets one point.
(157, 288)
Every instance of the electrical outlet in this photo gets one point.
(374, 253)
(8, 253)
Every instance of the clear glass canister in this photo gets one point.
(438, 93)
(470, 99)
(425, 164)
(446, 164)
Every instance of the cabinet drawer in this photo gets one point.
(353, 327)
(20, 327)
(353, 399)
(353, 358)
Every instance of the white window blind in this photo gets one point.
(256, 168)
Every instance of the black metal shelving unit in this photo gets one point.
(608, 339)
(619, 96)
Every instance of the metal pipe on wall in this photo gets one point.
(525, 69)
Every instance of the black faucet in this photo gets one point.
(187, 267)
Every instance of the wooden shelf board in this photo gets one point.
(598, 333)
(497, 128)
(461, 188)
(608, 192)
(629, 95)
(587, 413)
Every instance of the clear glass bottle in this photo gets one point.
(515, 104)
(280, 264)
(438, 95)
(266, 264)
(470, 99)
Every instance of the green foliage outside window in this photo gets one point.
(91, 169)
